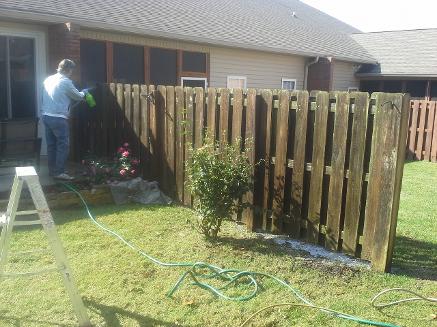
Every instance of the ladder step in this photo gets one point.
(29, 274)
(27, 222)
(26, 213)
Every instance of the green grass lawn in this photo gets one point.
(122, 289)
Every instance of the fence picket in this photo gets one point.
(120, 113)
(429, 129)
(297, 183)
(179, 115)
(144, 132)
(211, 112)
(161, 135)
(237, 115)
(434, 137)
(266, 107)
(153, 135)
(421, 129)
(413, 130)
(170, 140)
(317, 166)
(112, 107)
(189, 138)
(224, 116)
(356, 166)
(333, 222)
(136, 119)
(199, 117)
(248, 213)
(280, 161)
(128, 128)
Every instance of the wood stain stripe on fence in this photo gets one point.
(421, 129)
(120, 113)
(211, 112)
(280, 161)
(434, 137)
(298, 172)
(356, 167)
(429, 129)
(161, 137)
(180, 145)
(333, 222)
(189, 138)
(318, 165)
(144, 131)
(111, 112)
(413, 129)
(136, 119)
(267, 104)
(237, 115)
(128, 130)
(199, 117)
(170, 139)
(224, 116)
(248, 213)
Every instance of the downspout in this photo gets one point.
(307, 65)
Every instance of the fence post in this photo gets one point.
(385, 178)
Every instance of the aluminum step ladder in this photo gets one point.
(29, 176)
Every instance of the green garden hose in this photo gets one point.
(231, 277)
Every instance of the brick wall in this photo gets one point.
(64, 43)
(320, 75)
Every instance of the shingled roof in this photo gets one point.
(411, 53)
(285, 26)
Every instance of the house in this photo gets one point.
(407, 62)
(230, 43)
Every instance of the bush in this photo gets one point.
(218, 176)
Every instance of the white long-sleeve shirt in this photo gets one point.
(58, 92)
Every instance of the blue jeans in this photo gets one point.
(57, 138)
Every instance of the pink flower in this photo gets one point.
(120, 150)
(125, 154)
(133, 171)
(123, 172)
(135, 162)
(126, 145)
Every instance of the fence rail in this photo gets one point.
(422, 136)
(327, 166)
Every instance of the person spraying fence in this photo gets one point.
(58, 95)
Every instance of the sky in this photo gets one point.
(381, 15)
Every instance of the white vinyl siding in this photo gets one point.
(262, 70)
(343, 76)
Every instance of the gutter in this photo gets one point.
(307, 66)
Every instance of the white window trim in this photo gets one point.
(289, 80)
(353, 89)
(40, 67)
(237, 77)
(194, 79)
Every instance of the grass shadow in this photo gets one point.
(415, 258)
(112, 315)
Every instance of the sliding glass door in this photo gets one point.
(17, 78)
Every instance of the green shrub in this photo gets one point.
(218, 176)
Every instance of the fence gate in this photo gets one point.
(327, 166)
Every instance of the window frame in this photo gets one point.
(353, 89)
(185, 78)
(285, 79)
(229, 77)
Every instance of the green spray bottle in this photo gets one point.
(90, 100)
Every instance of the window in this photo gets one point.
(236, 82)
(392, 86)
(194, 82)
(17, 77)
(288, 84)
(352, 89)
(128, 63)
(93, 62)
(194, 62)
(417, 89)
(163, 69)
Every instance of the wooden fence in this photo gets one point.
(327, 166)
(422, 136)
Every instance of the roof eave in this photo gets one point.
(46, 18)
(396, 75)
